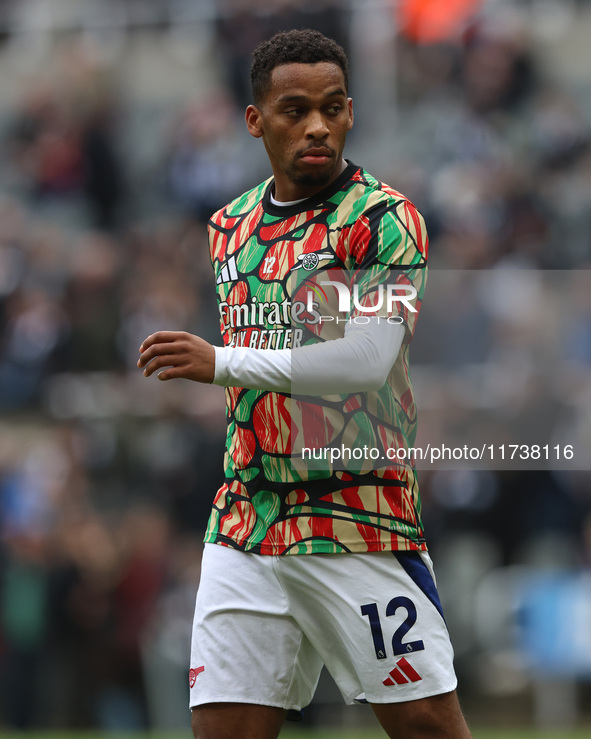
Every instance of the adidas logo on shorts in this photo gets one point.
(193, 672)
(403, 673)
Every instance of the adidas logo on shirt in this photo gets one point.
(228, 272)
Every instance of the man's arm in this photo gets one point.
(360, 361)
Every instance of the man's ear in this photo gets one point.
(254, 122)
(350, 107)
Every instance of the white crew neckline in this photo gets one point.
(285, 203)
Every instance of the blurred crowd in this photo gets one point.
(106, 183)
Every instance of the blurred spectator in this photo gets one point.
(243, 24)
(62, 143)
(24, 614)
(35, 326)
(207, 166)
(103, 170)
(46, 145)
(91, 301)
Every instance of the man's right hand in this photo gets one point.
(183, 354)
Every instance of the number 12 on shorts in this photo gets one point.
(400, 647)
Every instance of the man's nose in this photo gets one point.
(316, 125)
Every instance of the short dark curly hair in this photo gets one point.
(293, 47)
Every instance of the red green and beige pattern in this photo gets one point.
(271, 502)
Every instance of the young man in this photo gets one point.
(307, 566)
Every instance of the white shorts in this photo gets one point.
(265, 625)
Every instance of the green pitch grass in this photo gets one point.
(306, 734)
(482, 734)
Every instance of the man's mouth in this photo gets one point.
(317, 155)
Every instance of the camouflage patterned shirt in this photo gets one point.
(264, 256)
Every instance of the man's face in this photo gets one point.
(303, 120)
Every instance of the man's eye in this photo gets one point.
(293, 112)
(335, 109)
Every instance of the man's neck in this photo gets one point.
(287, 196)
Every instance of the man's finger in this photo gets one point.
(160, 337)
(165, 360)
(172, 373)
(158, 350)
